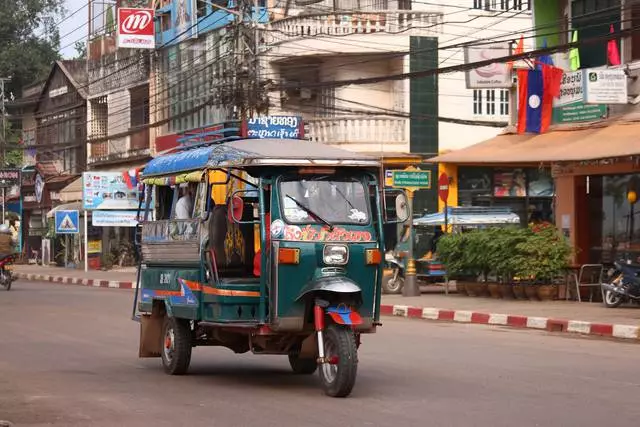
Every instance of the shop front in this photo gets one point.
(586, 181)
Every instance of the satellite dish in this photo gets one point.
(402, 207)
(236, 208)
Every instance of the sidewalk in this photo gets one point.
(121, 279)
(555, 316)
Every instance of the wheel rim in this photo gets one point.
(169, 344)
(330, 370)
(612, 298)
(394, 284)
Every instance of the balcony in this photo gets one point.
(402, 22)
(370, 130)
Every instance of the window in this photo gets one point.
(319, 199)
(504, 102)
(477, 102)
(502, 4)
(485, 103)
(491, 102)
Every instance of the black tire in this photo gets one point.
(389, 286)
(338, 379)
(302, 366)
(176, 351)
(612, 300)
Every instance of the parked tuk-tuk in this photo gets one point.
(426, 231)
(282, 254)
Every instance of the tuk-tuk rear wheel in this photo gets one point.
(176, 346)
(302, 366)
(339, 376)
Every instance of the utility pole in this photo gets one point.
(3, 100)
(247, 86)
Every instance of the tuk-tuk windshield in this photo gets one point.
(327, 199)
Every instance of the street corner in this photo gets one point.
(551, 325)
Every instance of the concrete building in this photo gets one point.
(327, 41)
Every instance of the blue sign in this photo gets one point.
(67, 222)
(276, 127)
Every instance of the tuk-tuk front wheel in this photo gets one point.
(392, 283)
(338, 375)
(176, 346)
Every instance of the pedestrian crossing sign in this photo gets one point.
(67, 222)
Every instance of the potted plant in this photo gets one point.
(543, 256)
(450, 249)
(506, 261)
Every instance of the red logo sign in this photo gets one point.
(136, 21)
(136, 28)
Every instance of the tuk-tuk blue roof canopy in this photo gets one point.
(255, 152)
(470, 216)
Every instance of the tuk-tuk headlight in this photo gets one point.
(335, 254)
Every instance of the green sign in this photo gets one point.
(412, 179)
(569, 107)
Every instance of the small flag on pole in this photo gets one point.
(613, 54)
(518, 51)
(574, 54)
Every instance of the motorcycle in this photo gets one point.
(393, 279)
(6, 275)
(623, 284)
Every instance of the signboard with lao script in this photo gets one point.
(114, 218)
(605, 86)
(570, 106)
(276, 127)
(412, 179)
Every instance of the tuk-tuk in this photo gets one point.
(426, 231)
(282, 255)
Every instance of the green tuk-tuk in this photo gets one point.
(282, 254)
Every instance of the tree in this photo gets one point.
(81, 50)
(29, 40)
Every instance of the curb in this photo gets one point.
(626, 332)
(114, 284)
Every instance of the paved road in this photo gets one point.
(68, 358)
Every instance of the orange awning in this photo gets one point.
(618, 140)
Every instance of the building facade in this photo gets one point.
(591, 153)
(328, 41)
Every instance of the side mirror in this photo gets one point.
(396, 206)
(402, 207)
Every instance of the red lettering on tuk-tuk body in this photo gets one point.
(338, 234)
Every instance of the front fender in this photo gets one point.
(335, 284)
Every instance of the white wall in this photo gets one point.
(460, 24)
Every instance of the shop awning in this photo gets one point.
(72, 192)
(618, 140)
(74, 206)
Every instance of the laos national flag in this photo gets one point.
(536, 91)
(131, 178)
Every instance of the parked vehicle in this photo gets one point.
(426, 231)
(6, 273)
(623, 284)
(309, 291)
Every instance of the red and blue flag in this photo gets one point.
(131, 178)
(536, 91)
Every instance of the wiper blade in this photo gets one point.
(310, 212)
